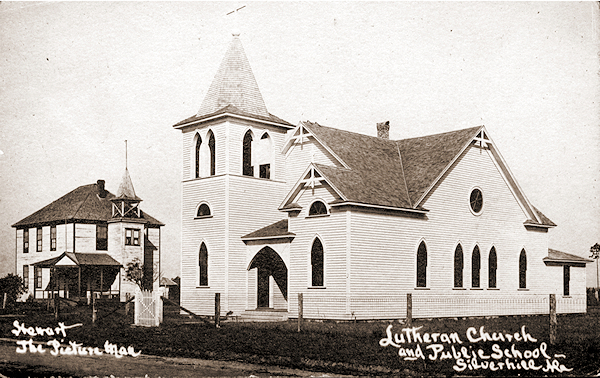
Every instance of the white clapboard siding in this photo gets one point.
(300, 156)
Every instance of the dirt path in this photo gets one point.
(13, 364)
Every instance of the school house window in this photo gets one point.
(38, 277)
(26, 240)
(53, 238)
(39, 239)
(102, 237)
(26, 277)
(132, 236)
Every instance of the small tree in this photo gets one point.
(134, 272)
(13, 286)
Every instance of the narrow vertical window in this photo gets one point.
(26, 240)
(247, 168)
(53, 238)
(39, 239)
(102, 237)
(128, 236)
(458, 266)
(136, 237)
(566, 279)
(263, 156)
(522, 270)
(203, 266)
(422, 265)
(475, 267)
(197, 156)
(38, 277)
(26, 277)
(316, 262)
(211, 147)
(492, 266)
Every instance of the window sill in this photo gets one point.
(317, 216)
(204, 217)
(522, 289)
(567, 296)
(202, 287)
(316, 287)
(492, 288)
(459, 288)
(476, 288)
(422, 288)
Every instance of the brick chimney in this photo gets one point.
(383, 130)
(101, 190)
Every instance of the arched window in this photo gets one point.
(203, 211)
(247, 168)
(492, 265)
(197, 156)
(317, 208)
(203, 266)
(522, 270)
(422, 265)
(263, 156)
(475, 267)
(458, 266)
(211, 147)
(316, 262)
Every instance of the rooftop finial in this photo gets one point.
(125, 153)
(236, 30)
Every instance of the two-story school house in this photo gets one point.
(354, 222)
(82, 242)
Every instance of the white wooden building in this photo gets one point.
(355, 222)
(82, 242)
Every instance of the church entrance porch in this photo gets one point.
(267, 281)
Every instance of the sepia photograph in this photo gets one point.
(302, 188)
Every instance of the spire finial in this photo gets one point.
(125, 153)
(236, 30)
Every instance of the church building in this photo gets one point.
(354, 222)
(82, 242)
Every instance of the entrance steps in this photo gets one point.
(264, 315)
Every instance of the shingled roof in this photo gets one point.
(82, 204)
(562, 258)
(81, 259)
(392, 173)
(276, 230)
(234, 90)
(386, 172)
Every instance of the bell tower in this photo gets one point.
(233, 182)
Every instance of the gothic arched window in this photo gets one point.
(211, 147)
(203, 266)
(422, 265)
(317, 263)
(247, 168)
(317, 208)
(492, 266)
(458, 266)
(522, 270)
(197, 156)
(475, 267)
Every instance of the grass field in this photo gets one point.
(347, 348)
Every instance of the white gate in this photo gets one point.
(148, 308)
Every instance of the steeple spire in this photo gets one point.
(234, 84)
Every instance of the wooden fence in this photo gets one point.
(148, 308)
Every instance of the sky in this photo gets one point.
(80, 78)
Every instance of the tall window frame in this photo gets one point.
(197, 147)
(317, 263)
(476, 268)
(37, 271)
(492, 268)
(421, 265)
(203, 265)
(458, 266)
(264, 156)
(26, 277)
(25, 240)
(102, 237)
(247, 168)
(566, 280)
(53, 237)
(40, 238)
(132, 236)
(523, 269)
(212, 152)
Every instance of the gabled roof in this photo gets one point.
(81, 259)
(276, 230)
(387, 172)
(561, 258)
(396, 174)
(81, 204)
(234, 91)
